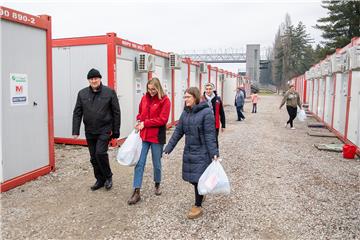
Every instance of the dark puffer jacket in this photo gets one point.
(200, 140)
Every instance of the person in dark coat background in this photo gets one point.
(244, 92)
(239, 103)
(197, 123)
(99, 107)
(216, 106)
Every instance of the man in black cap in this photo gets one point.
(99, 107)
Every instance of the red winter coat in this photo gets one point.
(154, 112)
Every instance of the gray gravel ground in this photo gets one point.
(282, 188)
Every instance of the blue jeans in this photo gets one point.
(156, 152)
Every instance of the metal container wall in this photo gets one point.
(185, 77)
(354, 113)
(130, 87)
(180, 87)
(340, 103)
(218, 84)
(25, 93)
(316, 95)
(335, 97)
(213, 76)
(197, 77)
(329, 93)
(230, 85)
(194, 81)
(204, 79)
(321, 98)
(308, 94)
(163, 72)
(116, 59)
(1, 124)
(311, 95)
(70, 67)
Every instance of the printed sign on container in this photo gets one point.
(18, 89)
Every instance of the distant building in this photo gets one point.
(253, 63)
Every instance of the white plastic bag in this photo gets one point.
(130, 150)
(214, 180)
(301, 115)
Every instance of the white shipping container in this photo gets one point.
(25, 99)
(354, 111)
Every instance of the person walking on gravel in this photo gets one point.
(292, 100)
(239, 103)
(244, 92)
(99, 107)
(197, 124)
(154, 111)
(215, 103)
(254, 99)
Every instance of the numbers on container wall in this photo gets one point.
(17, 16)
(4, 12)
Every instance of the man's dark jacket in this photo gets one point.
(100, 111)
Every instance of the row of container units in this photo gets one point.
(332, 90)
(26, 115)
(126, 67)
(41, 78)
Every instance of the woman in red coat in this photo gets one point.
(154, 110)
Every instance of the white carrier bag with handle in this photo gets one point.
(130, 150)
(301, 115)
(214, 180)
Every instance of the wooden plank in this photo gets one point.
(316, 125)
(321, 134)
(329, 147)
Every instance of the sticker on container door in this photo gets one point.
(138, 85)
(18, 89)
(165, 87)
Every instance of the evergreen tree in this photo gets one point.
(292, 52)
(302, 52)
(277, 60)
(341, 24)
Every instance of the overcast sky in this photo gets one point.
(177, 26)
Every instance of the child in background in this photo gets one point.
(254, 100)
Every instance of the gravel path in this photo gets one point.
(282, 188)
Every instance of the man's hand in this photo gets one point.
(115, 135)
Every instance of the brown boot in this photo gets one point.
(157, 189)
(195, 212)
(135, 197)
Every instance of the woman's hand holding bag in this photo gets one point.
(214, 179)
(130, 150)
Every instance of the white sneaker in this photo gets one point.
(293, 128)
(286, 125)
